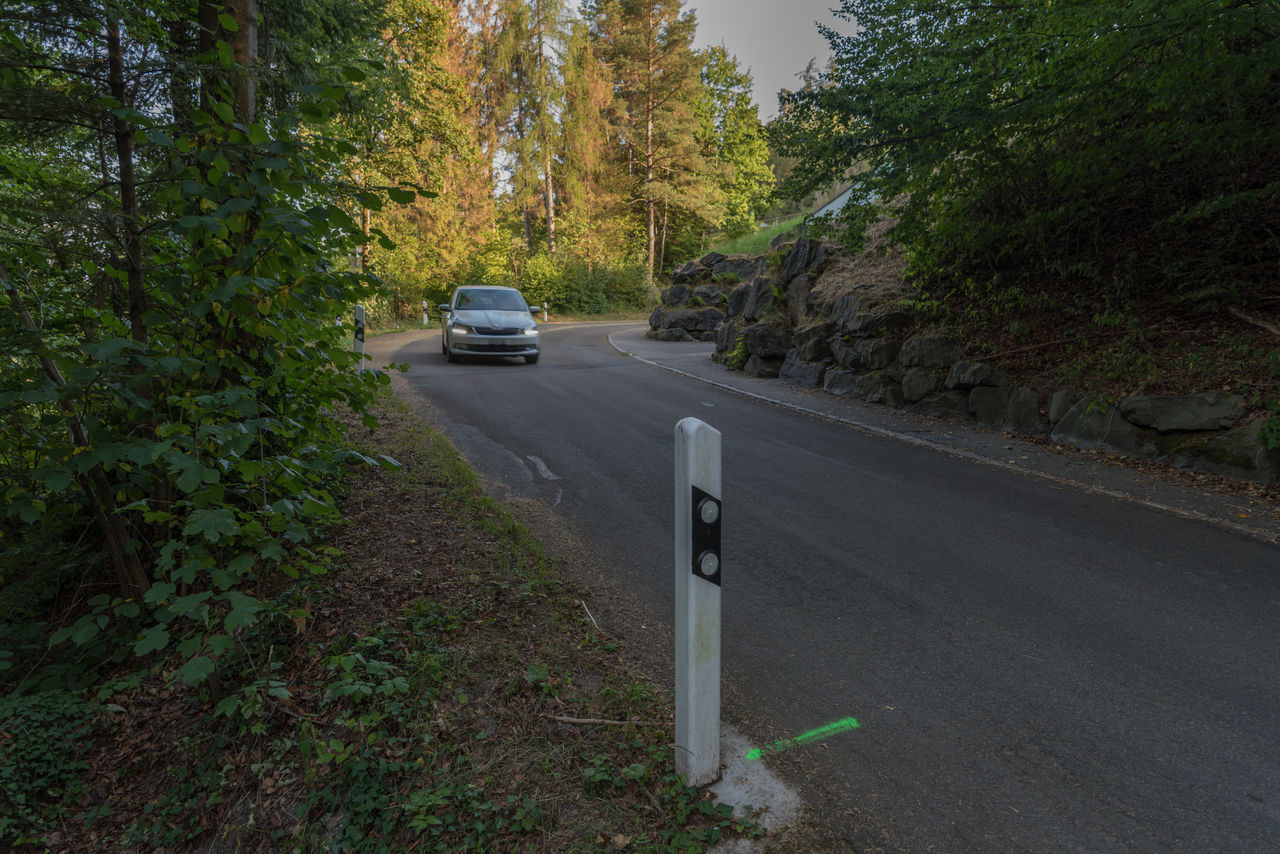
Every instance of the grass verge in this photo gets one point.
(441, 688)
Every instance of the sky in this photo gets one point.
(774, 39)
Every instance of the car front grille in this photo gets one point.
(498, 348)
(488, 330)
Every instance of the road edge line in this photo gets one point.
(1193, 515)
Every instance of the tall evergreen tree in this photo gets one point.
(589, 186)
(649, 46)
(526, 53)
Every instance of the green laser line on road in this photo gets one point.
(804, 738)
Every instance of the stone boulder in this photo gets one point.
(706, 295)
(919, 383)
(699, 323)
(711, 259)
(797, 297)
(726, 335)
(738, 268)
(839, 381)
(757, 366)
(1167, 413)
(964, 376)
(875, 324)
(945, 404)
(800, 372)
(1022, 414)
(1060, 402)
(926, 351)
(709, 319)
(1093, 427)
(767, 340)
(812, 342)
(688, 272)
(844, 352)
(1245, 448)
(878, 388)
(845, 309)
(877, 354)
(759, 298)
(676, 295)
(987, 405)
(679, 318)
(804, 255)
(1013, 410)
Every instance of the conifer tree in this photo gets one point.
(525, 55)
(649, 46)
(589, 192)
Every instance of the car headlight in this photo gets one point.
(460, 329)
(531, 331)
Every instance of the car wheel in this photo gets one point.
(531, 360)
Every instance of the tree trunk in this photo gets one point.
(130, 575)
(662, 243)
(648, 187)
(123, 132)
(244, 43)
(649, 110)
(208, 28)
(548, 189)
(361, 260)
(549, 192)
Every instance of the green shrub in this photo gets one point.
(41, 739)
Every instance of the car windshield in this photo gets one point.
(485, 299)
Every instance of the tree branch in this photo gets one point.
(568, 720)
(1256, 321)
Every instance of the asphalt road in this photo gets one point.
(1034, 667)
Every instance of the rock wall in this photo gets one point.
(768, 320)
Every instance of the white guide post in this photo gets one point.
(426, 316)
(697, 602)
(360, 334)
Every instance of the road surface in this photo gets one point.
(1034, 667)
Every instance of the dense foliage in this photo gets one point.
(618, 147)
(195, 195)
(1133, 147)
(174, 269)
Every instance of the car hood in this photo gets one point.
(494, 319)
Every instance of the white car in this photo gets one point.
(488, 321)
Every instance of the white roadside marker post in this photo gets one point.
(697, 563)
(360, 334)
(426, 316)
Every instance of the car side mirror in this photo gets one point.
(444, 307)
(535, 309)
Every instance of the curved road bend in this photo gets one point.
(1034, 668)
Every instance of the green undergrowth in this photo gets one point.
(758, 243)
(1108, 344)
(440, 688)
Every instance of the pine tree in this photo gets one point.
(589, 186)
(531, 34)
(649, 46)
